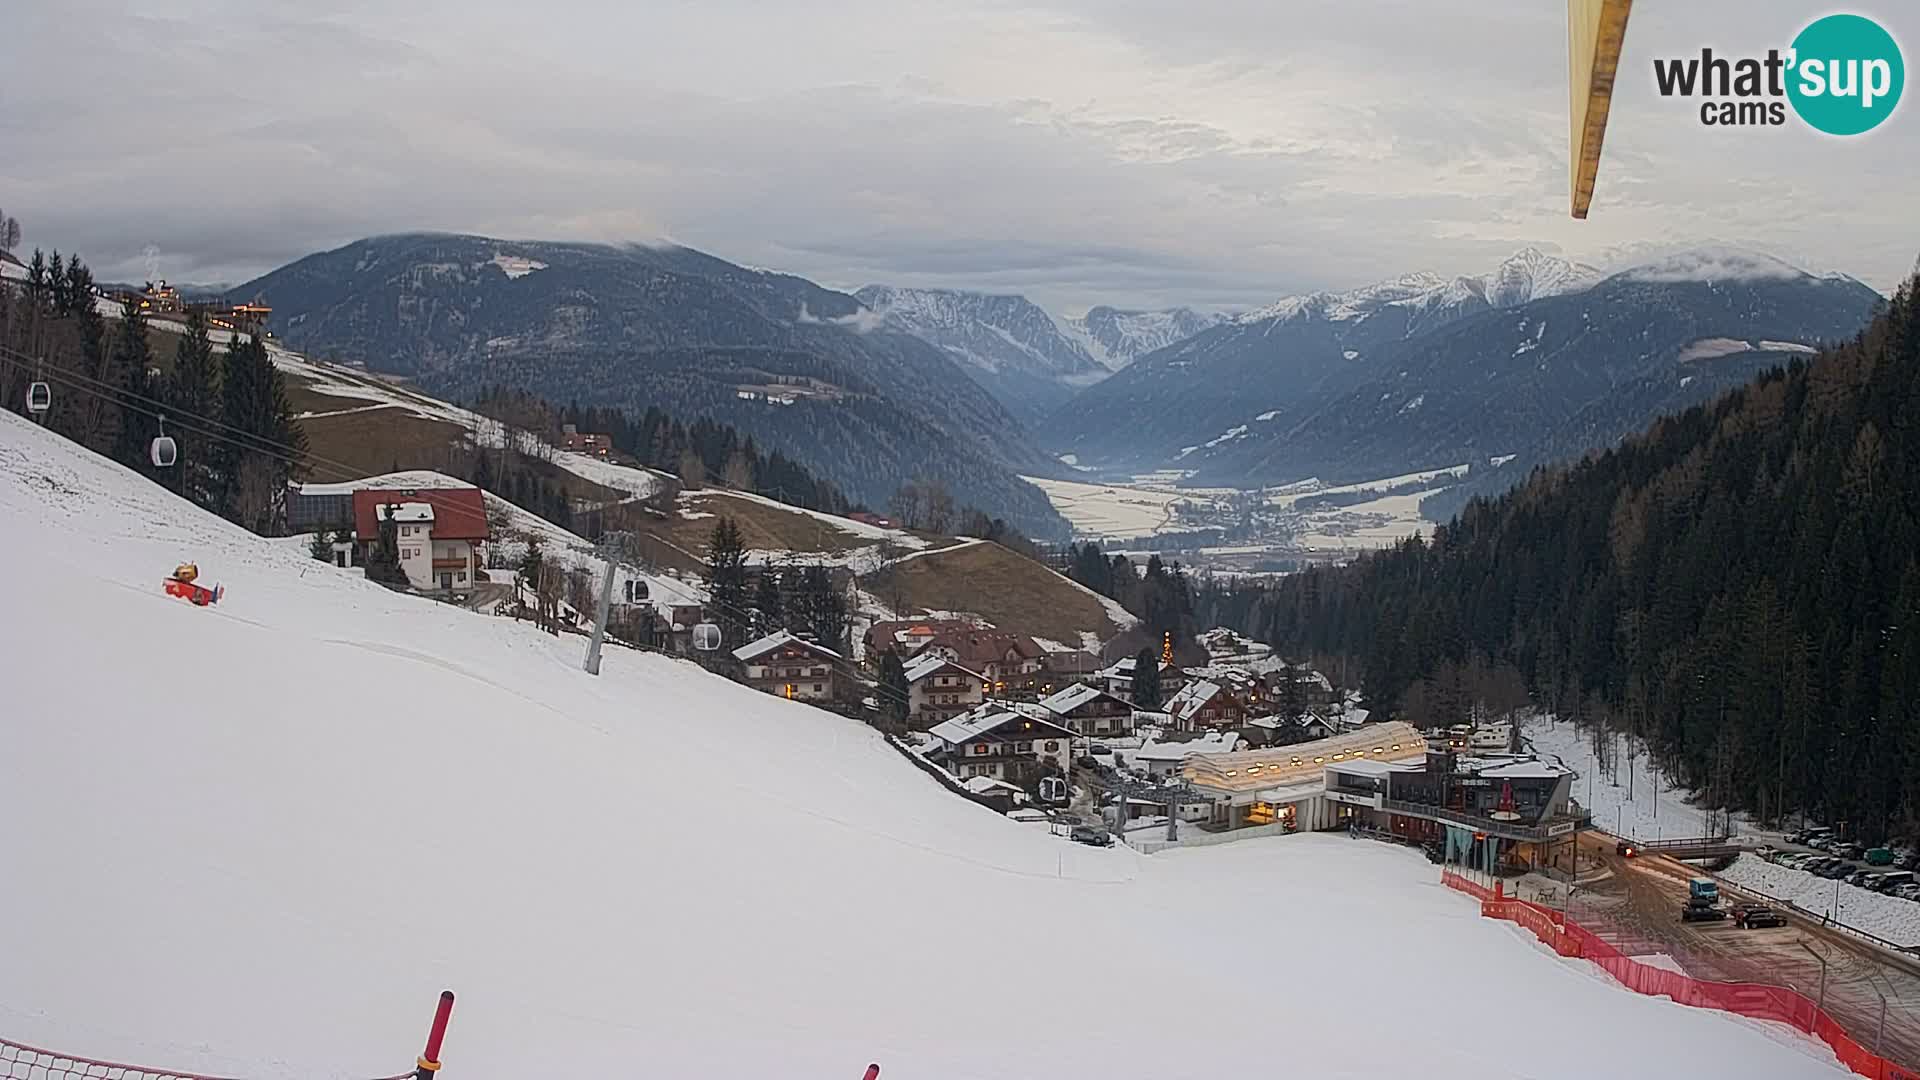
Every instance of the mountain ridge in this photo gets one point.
(772, 354)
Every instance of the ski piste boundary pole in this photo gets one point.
(429, 1062)
(873, 1072)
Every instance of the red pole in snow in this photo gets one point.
(429, 1062)
(873, 1072)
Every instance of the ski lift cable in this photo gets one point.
(82, 383)
(227, 434)
(269, 448)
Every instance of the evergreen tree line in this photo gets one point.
(237, 443)
(701, 453)
(1162, 597)
(1740, 585)
(748, 603)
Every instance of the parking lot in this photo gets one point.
(1635, 904)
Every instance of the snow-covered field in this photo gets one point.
(1888, 917)
(1147, 507)
(258, 839)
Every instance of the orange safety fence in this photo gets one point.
(1776, 1003)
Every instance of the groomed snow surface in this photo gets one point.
(258, 839)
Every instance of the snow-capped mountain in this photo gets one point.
(1392, 377)
(1117, 338)
(1012, 347)
(1526, 275)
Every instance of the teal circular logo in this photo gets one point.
(1846, 74)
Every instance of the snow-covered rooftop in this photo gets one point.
(405, 513)
(1072, 697)
(927, 663)
(746, 653)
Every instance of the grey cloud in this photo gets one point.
(1132, 152)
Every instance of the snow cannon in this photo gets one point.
(185, 584)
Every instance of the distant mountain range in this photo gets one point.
(1536, 361)
(802, 368)
(1030, 360)
(1117, 338)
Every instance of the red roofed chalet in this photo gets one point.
(439, 532)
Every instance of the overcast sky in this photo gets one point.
(1132, 152)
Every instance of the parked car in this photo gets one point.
(1832, 868)
(1851, 851)
(1911, 861)
(1890, 881)
(1091, 835)
(1908, 892)
(1858, 878)
(1755, 916)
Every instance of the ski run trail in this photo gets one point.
(258, 839)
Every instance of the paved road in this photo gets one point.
(1637, 907)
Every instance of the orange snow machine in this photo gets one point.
(185, 584)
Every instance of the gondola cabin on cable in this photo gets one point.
(162, 451)
(39, 397)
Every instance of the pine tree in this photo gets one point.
(263, 443)
(826, 609)
(894, 691)
(1293, 692)
(129, 360)
(769, 610)
(193, 393)
(383, 562)
(321, 547)
(1146, 679)
(727, 582)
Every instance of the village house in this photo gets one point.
(908, 636)
(939, 689)
(571, 438)
(1163, 759)
(438, 532)
(1117, 679)
(1003, 744)
(1012, 663)
(1204, 704)
(1091, 711)
(790, 667)
(1315, 689)
(1274, 730)
(1246, 688)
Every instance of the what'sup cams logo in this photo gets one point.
(1842, 75)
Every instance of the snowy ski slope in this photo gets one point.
(258, 839)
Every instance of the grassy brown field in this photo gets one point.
(1007, 589)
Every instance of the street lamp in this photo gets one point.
(1821, 1003)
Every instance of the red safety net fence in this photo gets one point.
(18, 1061)
(1760, 1001)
